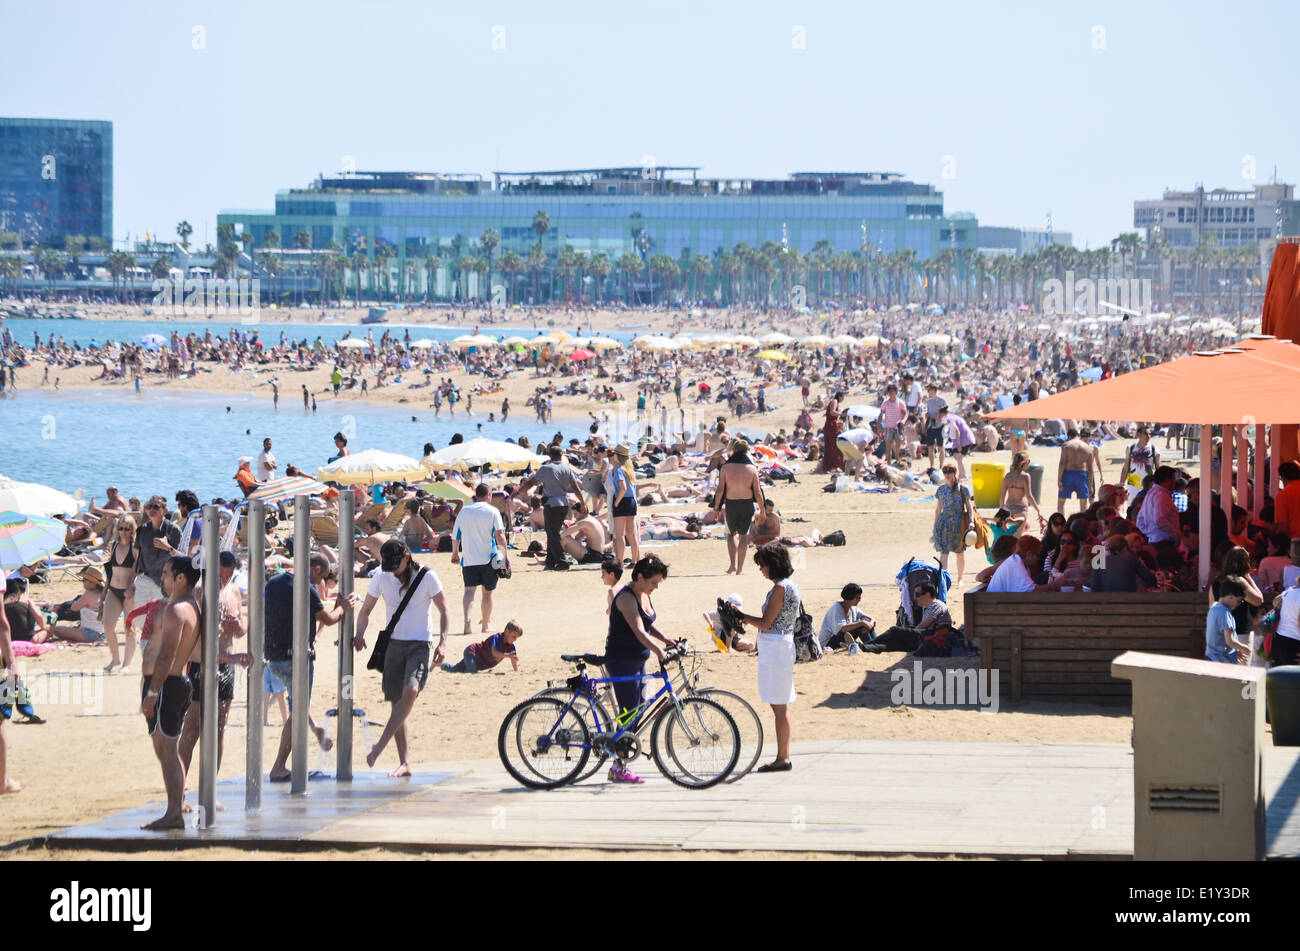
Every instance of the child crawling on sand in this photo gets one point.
(488, 653)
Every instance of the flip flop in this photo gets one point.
(775, 767)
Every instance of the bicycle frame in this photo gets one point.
(639, 718)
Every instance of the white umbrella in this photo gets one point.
(776, 338)
(515, 341)
(477, 452)
(744, 340)
(863, 411)
(32, 498)
(936, 340)
(371, 466)
(352, 343)
(604, 343)
(661, 343)
(817, 340)
(422, 344)
(474, 340)
(153, 341)
(848, 340)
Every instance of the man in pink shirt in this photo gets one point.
(892, 413)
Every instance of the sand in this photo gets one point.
(82, 765)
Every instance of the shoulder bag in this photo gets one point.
(806, 645)
(377, 656)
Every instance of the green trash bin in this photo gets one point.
(1036, 480)
(1282, 688)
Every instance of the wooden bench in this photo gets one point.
(1059, 645)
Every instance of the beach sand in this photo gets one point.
(80, 765)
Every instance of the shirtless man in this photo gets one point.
(585, 539)
(1074, 472)
(116, 505)
(739, 491)
(767, 527)
(166, 691)
(230, 625)
(368, 548)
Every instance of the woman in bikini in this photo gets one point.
(120, 565)
(1017, 491)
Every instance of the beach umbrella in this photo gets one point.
(863, 411)
(474, 340)
(935, 340)
(660, 343)
(370, 467)
(352, 343)
(478, 452)
(1092, 374)
(894, 309)
(771, 355)
(515, 341)
(604, 343)
(848, 340)
(287, 488)
(422, 344)
(449, 489)
(776, 338)
(744, 340)
(817, 340)
(582, 354)
(35, 499)
(153, 341)
(27, 538)
(560, 335)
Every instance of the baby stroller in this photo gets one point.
(913, 573)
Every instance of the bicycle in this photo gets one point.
(595, 703)
(694, 742)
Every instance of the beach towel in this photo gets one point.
(28, 649)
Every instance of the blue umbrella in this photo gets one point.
(27, 538)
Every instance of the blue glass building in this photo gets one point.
(56, 178)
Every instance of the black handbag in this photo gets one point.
(806, 645)
(377, 656)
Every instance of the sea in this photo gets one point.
(160, 441)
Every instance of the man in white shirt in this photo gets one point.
(406, 662)
(266, 464)
(1286, 640)
(854, 444)
(478, 532)
(912, 393)
(845, 621)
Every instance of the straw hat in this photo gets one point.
(622, 450)
(94, 574)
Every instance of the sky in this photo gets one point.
(1013, 110)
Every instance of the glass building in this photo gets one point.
(611, 211)
(56, 178)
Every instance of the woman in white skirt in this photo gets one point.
(776, 645)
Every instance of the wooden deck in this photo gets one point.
(870, 797)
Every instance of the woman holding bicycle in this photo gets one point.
(776, 645)
(631, 641)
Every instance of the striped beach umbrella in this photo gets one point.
(25, 539)
(290, 486)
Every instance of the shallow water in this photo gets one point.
(162, 441)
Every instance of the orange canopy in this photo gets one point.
(1254, 381)
(1282, 316)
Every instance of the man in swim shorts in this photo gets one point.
(1072, 474)
(739, 495)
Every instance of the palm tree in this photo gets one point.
(666, 268)
(1203, 256)
(537, 259)
(51, 264)
(629, 266)
(599, 268)
(183, 231)
(359, 262)
(463, 266)
(541, 225)
(488, 242)
(567, 263)
(511, 265)
(431, 265)
(821, 256)
(700, 268)
(11, 268)
(384, 253)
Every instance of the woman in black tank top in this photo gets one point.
(631, 641)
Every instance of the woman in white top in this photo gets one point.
(776, 645)
(1012, 576)
(1286, 640)
(90, 630)
(406, 662)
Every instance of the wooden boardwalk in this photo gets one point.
(879, 797)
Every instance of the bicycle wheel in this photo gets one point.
(747, 722)
(697, 748)
(594, 715)
(543, 744)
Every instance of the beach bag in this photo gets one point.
(983, 534)
(380, 652)
(807, 647)
(834, 539)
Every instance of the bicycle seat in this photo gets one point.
(596, 659)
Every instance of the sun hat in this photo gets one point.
(93, 573)
(245, 460)
(622, 450)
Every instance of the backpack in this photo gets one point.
(834, 539)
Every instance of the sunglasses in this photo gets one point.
(152, 508)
